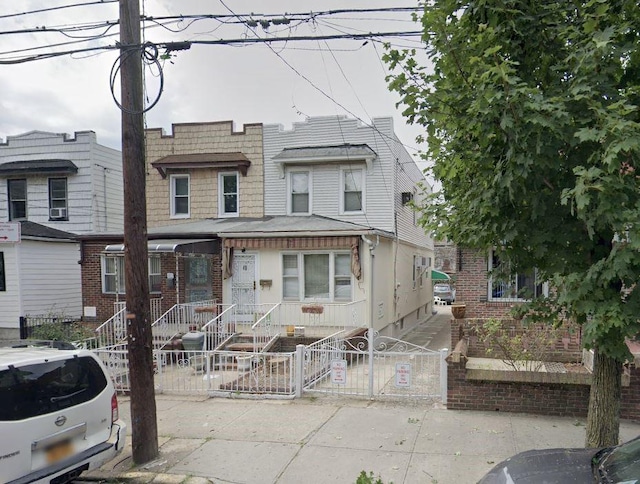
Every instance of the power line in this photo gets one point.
(239, 41)
(60, 7)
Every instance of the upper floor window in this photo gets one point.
(314, 276)
(506, 285)
(17, 190)
(228, 195)
(180, 204)
(113, 274)
(352, 196)
(300, 192)
(58, 199)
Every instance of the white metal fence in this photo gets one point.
(369, 366)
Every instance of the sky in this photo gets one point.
(252, 83)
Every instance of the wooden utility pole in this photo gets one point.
(144, 427)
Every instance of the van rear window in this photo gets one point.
(42, 388)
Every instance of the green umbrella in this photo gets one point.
(439, 276)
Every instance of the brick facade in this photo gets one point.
(472, 287)
(92, 295)
(197, 138)
(540, 397)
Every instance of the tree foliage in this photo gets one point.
(531, 112)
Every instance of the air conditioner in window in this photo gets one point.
(57, 213)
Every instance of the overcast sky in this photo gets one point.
(252, 83)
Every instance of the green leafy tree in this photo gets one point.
(531, 113)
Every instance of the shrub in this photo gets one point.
(522, 349)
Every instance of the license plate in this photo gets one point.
(59, 451)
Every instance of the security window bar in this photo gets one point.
(506, 285)
(155, 274)
(228, 189)
(17, 191)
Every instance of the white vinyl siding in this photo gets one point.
(94, 193)
(50, 280)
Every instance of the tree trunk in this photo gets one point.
(603, 420)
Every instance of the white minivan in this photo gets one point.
(58, 415)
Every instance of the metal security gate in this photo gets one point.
(374, 366)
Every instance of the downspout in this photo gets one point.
(372, 248)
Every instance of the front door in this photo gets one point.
(243, 285)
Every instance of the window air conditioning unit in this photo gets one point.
(406, 197)
(57, 213)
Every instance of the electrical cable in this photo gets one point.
(149, 55)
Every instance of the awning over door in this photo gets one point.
(439, 276)
(190, 246)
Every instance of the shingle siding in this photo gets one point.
(192, 138)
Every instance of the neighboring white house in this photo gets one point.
(40, 275)
(55, 187)
(71, 184)
(339, 227)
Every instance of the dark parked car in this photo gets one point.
(445, 292)
(619, 464)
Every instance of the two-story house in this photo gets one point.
(340, 225)
(199, 176)
(316, 215)
(54, 186)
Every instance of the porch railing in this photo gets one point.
(323, 318)
(263, 330)
(220, 325)
(113, 331)
(180, 319)
(154, 303)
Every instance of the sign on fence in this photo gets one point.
(9, 232)
(403, 375)
(339, 372)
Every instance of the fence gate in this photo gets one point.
(374, 366)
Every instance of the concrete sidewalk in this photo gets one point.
(331, 440)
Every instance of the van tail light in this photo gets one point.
(114, 408)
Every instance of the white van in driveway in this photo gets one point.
(58, 415)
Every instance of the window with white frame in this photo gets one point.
(506, 285)
(300, 192)
(58, 199)
(317, 276)
(180, 203)
(352, 196)
(228, 195)
(155, 273)
(17, 192)
(113, 274)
